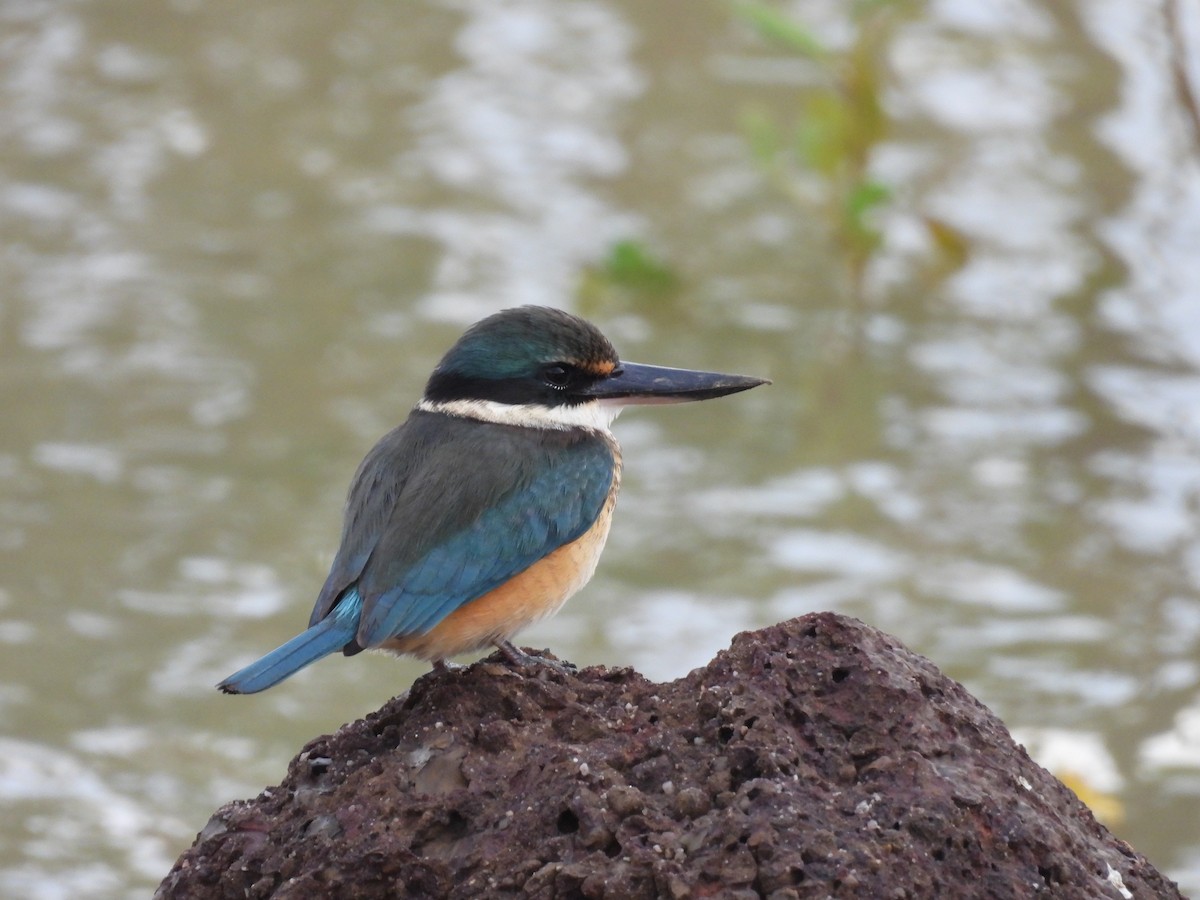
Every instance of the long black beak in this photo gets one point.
(632, 383)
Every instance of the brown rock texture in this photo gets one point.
(815, 758)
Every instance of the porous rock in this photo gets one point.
(815, 758)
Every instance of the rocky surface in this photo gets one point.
(816, 758)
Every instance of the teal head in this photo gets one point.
(559, 370)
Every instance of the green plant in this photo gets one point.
(838, 122)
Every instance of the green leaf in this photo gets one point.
(822, 138)
(773, 25)
(866, 196)
(631, 264)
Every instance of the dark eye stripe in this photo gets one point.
(560, 374)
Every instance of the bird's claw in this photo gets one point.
(525, 660)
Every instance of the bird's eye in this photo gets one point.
(557, 375)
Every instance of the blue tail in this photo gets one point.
(329, 635)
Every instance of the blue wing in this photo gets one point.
(553, 505)
(444, 509)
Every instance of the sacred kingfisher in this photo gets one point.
(489, 506)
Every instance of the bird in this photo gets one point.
(490, 505)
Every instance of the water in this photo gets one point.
(234, 240)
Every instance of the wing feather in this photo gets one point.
(444, 510)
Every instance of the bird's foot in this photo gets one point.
(524, 660)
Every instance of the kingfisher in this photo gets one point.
(489, 507)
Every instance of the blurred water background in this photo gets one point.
(963, 238)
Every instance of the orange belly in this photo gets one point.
(533, 594)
